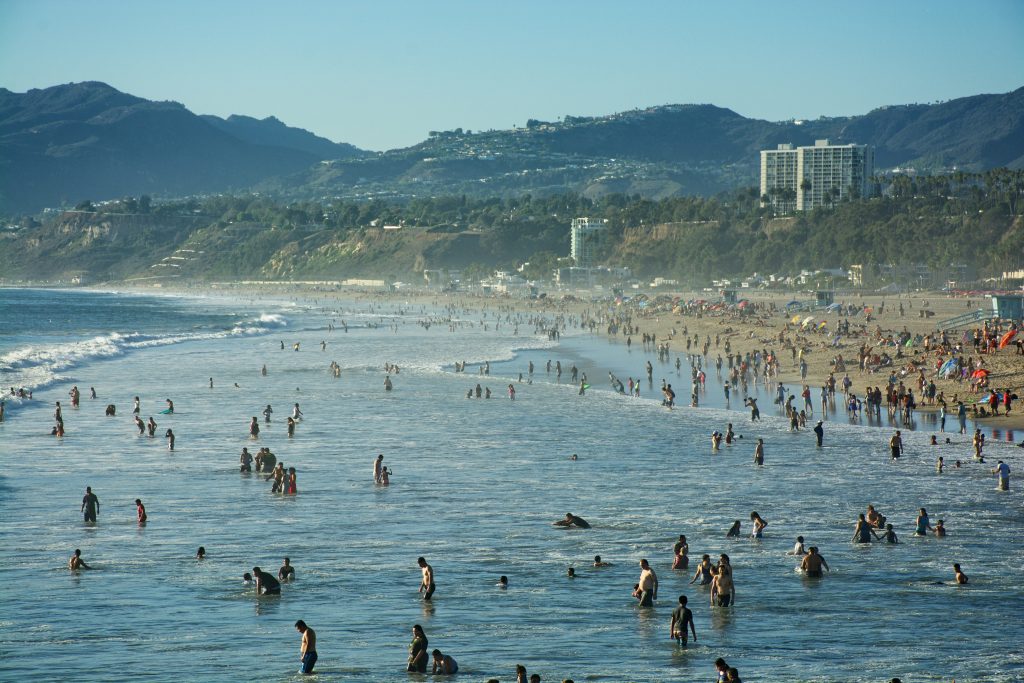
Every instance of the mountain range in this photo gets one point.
(67, 143)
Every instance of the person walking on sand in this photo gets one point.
(307, 653)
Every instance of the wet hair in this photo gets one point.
(800, 539)
(300, 624)
(682, 599)
(436, 653)
(503, 579)
(421, 560)
(597, 558)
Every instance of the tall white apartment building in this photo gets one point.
(583, 240)
(815, 175)
(779, 178)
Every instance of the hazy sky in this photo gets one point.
(380, 74)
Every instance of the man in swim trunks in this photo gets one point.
(813, 562)
(90, 505)
(819, 433)
(266, 584)
(681, 616)
(896, 446)
(307, 655)
(648, 585)
(378, 465)
(427, 584)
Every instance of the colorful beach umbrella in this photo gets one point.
(1006, 338)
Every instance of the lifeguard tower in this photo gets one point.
(824, 297)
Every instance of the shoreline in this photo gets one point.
(743, 334)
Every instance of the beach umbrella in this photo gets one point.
(1006, 338)
(795, 319)
(822, 325)
(980, 372)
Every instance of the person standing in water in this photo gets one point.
(681, 616)
(76, 562)
(896, 446)
(90, 505)
(813, 562)
(819, 433)
(759, 452)
(307, 653)
(427, 584)
(648, 585)
(267, 412)
(141, 511)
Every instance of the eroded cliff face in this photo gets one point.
(95, 246)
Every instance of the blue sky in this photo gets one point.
(381, 74)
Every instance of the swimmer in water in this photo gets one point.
(813, 562)
(502, 581)
(961, 578)
(572, 520)
(76, 562)
(734, 530)
(703, 571)
(598, 562)
(890, 536)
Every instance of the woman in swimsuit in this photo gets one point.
(863, 532)
(292, 488)
(923, 525)
(759, 525)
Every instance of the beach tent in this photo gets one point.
(832, 307)
(807, 321)
(1007, 338)
(947, 366)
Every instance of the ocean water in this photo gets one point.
(475, 488)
